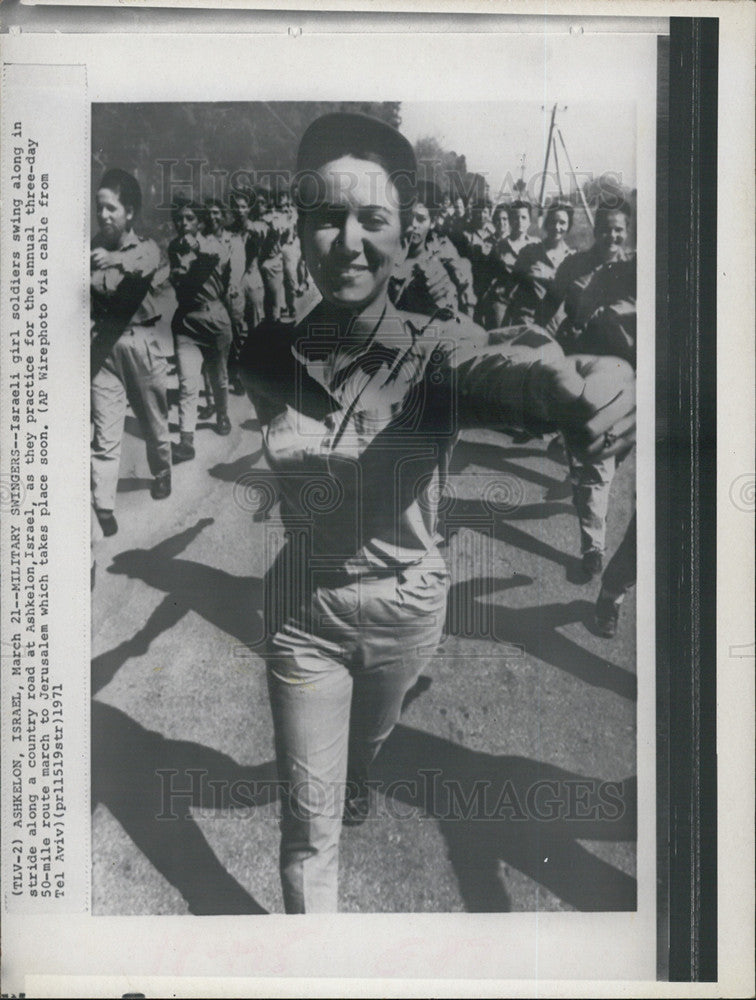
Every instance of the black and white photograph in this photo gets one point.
(363, 483)
(373, 533)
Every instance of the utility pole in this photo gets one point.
(546, 161)
(551, 145)
(574, 177)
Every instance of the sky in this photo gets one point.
(494, 135)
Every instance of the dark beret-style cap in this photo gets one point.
(343, 133)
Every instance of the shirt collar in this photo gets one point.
(391, 330)
(130, 240)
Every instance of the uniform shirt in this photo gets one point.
(455, 229)
(123, 296)
(481, 240)
(289, 236)
(533, 299)
(598, 312)
(199, 276)
(277, 232)
(122, 290)
(237, 266)
(434, 279)
(358, 431)
(505, 252)
(478, 251)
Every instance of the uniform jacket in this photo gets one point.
(358, 433)
(598, 311)
(435, 279)
(199, 276)
(201, 279)
(534, 299)
(122, 296)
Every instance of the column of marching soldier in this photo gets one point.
(234, 267)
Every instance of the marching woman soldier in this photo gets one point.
(249, 232)
(291, 253)
(432, 276)
(480, 240)
(597, 316)
(129, 355)
(200, 274)
(533, 297)
(270, 258)
(215, 225)
(360, 406)
(493, 304)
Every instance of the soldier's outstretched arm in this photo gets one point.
(528, 382)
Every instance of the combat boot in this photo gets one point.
(184, 450)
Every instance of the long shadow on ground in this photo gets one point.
(512, 810)
(148, 783)
(231, 603)
(490, 809)
(535, 631)
(496, 458)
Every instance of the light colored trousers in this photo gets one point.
(272, 271)
(134, 372)
(291, 253)
(203, 335)
(591, 486)
(254, 299)
(337, 675)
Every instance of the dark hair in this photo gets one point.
(608, 207)
(427, 194)
(501, 209)
(515, 206)
(242, 192)
(125, 185)
(561, 206)
(215, 202)
(181, 203)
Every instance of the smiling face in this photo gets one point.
(556, 226)
(113, 218)
(352, 238)
(611, 233)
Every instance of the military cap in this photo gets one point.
(343, 133)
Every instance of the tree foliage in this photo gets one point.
(205, 149)
(448, 170)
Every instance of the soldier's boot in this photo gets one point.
(184, 450)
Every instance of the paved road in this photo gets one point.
(509, 782)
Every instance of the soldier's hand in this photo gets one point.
(600, 420)
(101, 258)
(542, 270)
